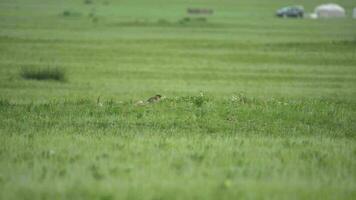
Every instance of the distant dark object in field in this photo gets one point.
(88, 1)
(47, 73)
(184, 22)
(330, 11)
(291, 11)
(200, 11)
(193, 20)
(68, 13)
(139, 22)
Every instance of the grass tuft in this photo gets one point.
(4, 102)
(48, 73)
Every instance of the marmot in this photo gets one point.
(154, 99)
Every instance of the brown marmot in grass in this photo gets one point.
(154, 99)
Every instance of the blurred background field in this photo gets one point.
(129, 49)
(256, 107)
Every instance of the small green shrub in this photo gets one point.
(198, 100)
(48, 73)
(95, 20)
(4, 103)
(66, 13)
(162, 22)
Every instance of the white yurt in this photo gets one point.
(329, 11)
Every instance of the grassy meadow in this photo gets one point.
(255, 107)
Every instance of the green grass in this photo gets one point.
(182, 148)
(257, 107)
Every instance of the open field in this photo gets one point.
(256, 107)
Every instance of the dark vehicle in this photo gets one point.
(291, 11)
